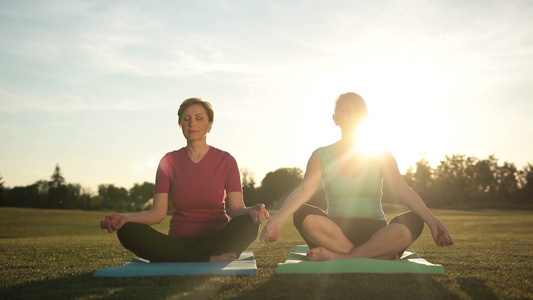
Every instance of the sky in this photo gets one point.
(94, 86)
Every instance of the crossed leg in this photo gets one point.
(333, 244)
(322, 231)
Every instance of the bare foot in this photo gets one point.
(394, 256)
(223, 257)
(321, 253)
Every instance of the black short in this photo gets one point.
(359, 230)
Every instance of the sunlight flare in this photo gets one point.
(370, 138)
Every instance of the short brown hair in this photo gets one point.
(191, 101)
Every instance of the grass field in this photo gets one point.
(51, 254)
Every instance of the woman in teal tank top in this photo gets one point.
(351, 197)
(354, 225)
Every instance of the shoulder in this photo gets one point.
(173, 155)
(387, 162)
(386, 157)
(218, 152)
(382, 155)
(221, 154)
(326, 150)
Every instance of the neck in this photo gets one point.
(348, 138)
(197, 148)
(349, 143)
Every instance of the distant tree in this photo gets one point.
(420, 180)
(423, 178)
(23, 196)
(74, 192)
(507, 180)
(113, 197)
(96, 202)
(461, 181)
(140, 193)
(451, 182)
(84, 200)
(248, 188)
(58, 193)
(2, 190)
(409, 175)
(482, 183)
(57, 178)
(277, 185)
(43, 187)
(525, 195)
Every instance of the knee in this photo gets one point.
(303, 212)
(412, 222)
(245, 225)
(127, 231)
(417, 231)
(310, 223)
(416, 227)
(253, 230)
(245, 221)
(403, 233)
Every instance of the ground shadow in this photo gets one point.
(87, 286)
(275, 286)
(476, 288)
(350, 286)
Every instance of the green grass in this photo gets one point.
(51, 254)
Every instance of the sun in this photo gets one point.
(409, 136)
(370, 137)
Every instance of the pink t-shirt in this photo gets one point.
(197, 191)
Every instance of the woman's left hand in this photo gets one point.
(441, 235)
(258, 213)
(113, 222)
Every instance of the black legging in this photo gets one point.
(155, 246)
(358, 230)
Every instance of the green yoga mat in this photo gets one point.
(139, 267)
(410, 262)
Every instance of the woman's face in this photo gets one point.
(349, 114)
(195, 123)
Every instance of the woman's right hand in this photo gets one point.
(271, 231)
(113, 222)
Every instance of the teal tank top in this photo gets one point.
(358, 197)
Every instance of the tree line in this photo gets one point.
(467, 181)
(58, 194)
(459, 181)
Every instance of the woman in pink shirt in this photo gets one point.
(203, 184)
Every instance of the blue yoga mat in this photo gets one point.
(139, 267)
(410, 262)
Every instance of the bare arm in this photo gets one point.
(411, 199)
(235, 207)
(299, 196)
(155, 215)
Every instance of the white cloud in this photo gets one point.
(28, 101)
